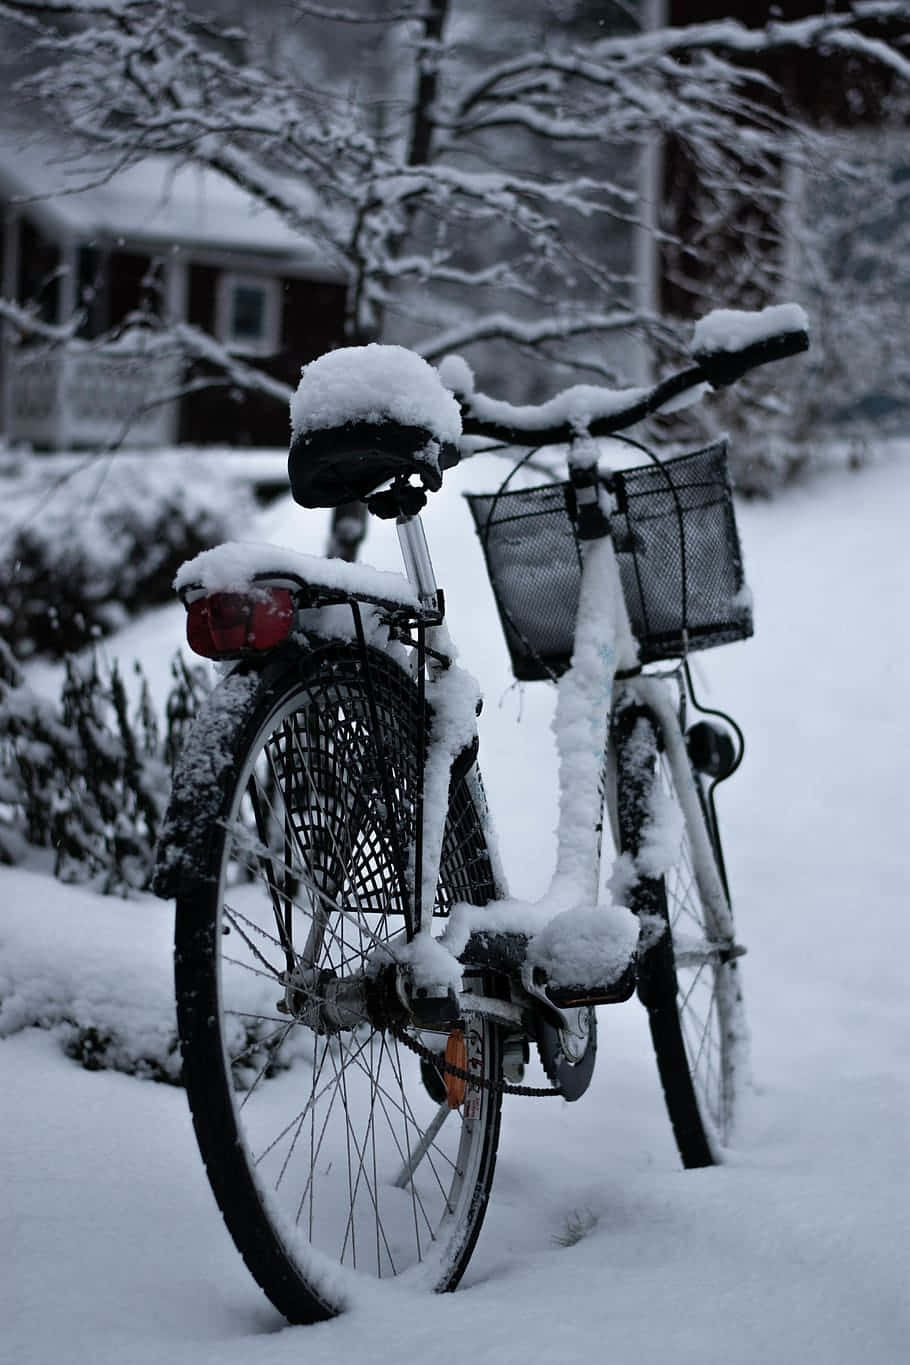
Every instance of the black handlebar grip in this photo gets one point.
(722, 368)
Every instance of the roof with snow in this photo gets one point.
(159, 202)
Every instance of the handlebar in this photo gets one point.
(726, 345)
(364, 416)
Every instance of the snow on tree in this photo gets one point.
(487, 186)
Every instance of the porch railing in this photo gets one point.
(60, 398)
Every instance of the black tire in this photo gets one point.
(305, 1119)
(687, 977)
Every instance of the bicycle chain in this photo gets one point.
(438, 1060)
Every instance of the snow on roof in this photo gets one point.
(159, 201)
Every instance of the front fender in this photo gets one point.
(215, 743)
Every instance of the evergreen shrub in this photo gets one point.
(87, 779)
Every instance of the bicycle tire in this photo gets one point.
(300, 1130)
(688, 978)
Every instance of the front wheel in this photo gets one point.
(329, 1144)
(688, 975)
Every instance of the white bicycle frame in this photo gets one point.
(604, 646)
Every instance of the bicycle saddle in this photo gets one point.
(365, 415)
(335, 465)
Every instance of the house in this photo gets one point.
(844, 89)
(172, 239)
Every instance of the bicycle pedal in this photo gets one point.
(611, 993)
(499, 950)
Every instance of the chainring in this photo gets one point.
(568, 1060)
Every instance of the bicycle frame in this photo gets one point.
(603, 673)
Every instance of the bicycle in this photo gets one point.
(355, 993)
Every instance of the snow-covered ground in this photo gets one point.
(796, 1251)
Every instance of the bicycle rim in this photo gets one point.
(698, 1027)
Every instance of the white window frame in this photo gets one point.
(270, 340)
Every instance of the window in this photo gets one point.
(248, 314)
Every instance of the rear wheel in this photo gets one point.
(330, 1145)
(688, 976)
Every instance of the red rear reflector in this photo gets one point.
(232, 622)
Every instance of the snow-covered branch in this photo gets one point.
(28, 324)
(471, 195)
(502, 326)
(603, 63)
(198, 345)
(337, 15)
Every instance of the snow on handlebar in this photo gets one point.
(366, 415)
(726, 344)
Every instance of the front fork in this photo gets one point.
(651, 699)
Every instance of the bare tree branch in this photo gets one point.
(471, 200)
(530, 333)
(349, 16)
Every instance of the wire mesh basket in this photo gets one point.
(679, 561)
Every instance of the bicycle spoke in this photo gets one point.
(409, 1118)
(315, 1148)
(270, 970)
(372, 1191)
(314, 1099)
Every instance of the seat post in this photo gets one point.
(417, 563)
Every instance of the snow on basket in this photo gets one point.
(363, 415)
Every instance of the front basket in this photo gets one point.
(679, 560)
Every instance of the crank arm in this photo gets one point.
(497, 1011)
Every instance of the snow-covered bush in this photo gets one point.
(92, 970)
(86, 779)
(80, 550)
